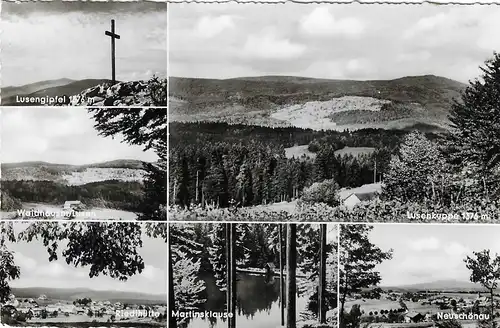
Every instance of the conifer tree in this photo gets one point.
(146, 127)
(475, 139)
(215, 186)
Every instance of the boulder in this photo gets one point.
(132, 93)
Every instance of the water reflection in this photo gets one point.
(257, 304)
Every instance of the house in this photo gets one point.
(413, 317)
(24, 310)
(42, 297)
(351, 201)
(270, 268)
(67, 309)
(72, 205)
(352, 196)
(37, 312)
(79, 310)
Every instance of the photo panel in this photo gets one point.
(419, 275)
(83, 163)
(84, 53)
(253, 274)
(334, 112)
(83, 274)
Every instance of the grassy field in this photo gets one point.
(371, 305)
(100, 213)
(303, 151)
(355, 151)
(299, 152)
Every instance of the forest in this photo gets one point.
(216, 166)
(283, 274)
(218, 162)
(115, 194)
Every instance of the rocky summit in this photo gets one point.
(132, 93)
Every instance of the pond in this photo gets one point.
(257, 306)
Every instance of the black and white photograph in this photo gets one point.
(83, 163)
(339, 112)
(83, 274)
(249, 275)
(419, 275)
(84, 53)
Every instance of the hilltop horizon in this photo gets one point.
(113, 163)
(439, 284)
(304, 78)
(36, 291)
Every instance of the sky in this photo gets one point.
(353, 41)
(53, 40)
(60, 135)
(37, 271)
(428, 253)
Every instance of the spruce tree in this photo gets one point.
(475, 139)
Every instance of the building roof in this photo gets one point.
(72, 202)
(366, 196)
(271, 265)
(413, 314)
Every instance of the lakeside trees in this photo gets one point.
(235, 249)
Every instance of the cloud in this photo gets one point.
(54, 270)
(425, 244)
(415, 56)
(456, 250)
(208, 26)
(427, 24)
(268, 45)
(25, 263)
(43, 37)
(348, 41)
(49, 134)
(320, 22)
(152, 273)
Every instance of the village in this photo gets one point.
(418, 308)
(44, 309)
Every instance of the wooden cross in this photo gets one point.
(113, 37)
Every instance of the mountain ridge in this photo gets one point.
(443, 284)
(50, 88)
(118, 163)
(71, 294)
(315, 103)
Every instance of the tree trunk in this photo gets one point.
(232, 319)
(197, 185)
(291, 283)
(322, 276)
(172, 321)
(342, 302)
(492, 318)
(228, 271)
(174, 200)
(282, 287)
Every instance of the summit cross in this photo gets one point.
(113, 36)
